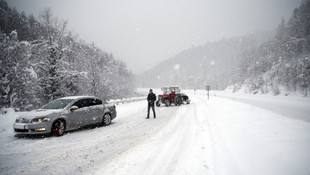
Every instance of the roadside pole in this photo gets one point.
(208, 89)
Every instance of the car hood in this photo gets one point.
(39, 113)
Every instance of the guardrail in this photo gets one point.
(127, 100)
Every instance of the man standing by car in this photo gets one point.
(151, 98)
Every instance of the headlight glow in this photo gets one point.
(40, 120)
(40, 129)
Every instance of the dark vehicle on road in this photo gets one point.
(65, 114)
(185, 98)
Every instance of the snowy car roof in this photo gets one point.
(77, 97)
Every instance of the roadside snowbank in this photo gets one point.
(249, 140)
(267, 90)
(7, 118)
(295, 107)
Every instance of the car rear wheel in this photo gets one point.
(106, 120)
(59, 128)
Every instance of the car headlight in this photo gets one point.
(40, 120)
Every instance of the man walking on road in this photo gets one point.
(151, 98)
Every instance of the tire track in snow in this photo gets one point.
(179, 148)
(221, 151)
(206, 137)
(218, 137)
(146, 156)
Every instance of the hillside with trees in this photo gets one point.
(282, 63)
(215, 63)
(42, 60)
(256, 63)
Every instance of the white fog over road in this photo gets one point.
(216, 136)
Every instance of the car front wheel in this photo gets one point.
(58, 128)
(106, 120)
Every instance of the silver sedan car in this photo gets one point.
(65, 114)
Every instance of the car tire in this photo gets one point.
(59, 128)
(106, 120)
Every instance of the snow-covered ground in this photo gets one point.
(215, 136)
(295, 106)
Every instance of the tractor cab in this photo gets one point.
(170, 90)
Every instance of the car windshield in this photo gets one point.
(57, 104)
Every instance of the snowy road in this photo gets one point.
(216, 136)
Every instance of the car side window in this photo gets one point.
(81, 103)
(92, 102)
(78, 104)
(98, 102)
(87, 102)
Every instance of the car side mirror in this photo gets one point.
(74, 108)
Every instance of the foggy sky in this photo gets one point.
(144, 32)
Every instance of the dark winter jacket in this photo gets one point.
(152, 98)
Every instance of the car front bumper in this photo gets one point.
(27, 128)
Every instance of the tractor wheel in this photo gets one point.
(178, 100)
(167, 103)
(157, 103)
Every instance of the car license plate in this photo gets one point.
(19, 126)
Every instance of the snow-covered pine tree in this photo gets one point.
(52, 63)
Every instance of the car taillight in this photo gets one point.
(115, 107)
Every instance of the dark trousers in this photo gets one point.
(151, 105)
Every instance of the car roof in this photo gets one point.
(77, 97)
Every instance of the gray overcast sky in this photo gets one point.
(144, 32)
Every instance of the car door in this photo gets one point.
(89, 108)
(96, 110)
(81, 116)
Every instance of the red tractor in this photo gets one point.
(170, 95)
